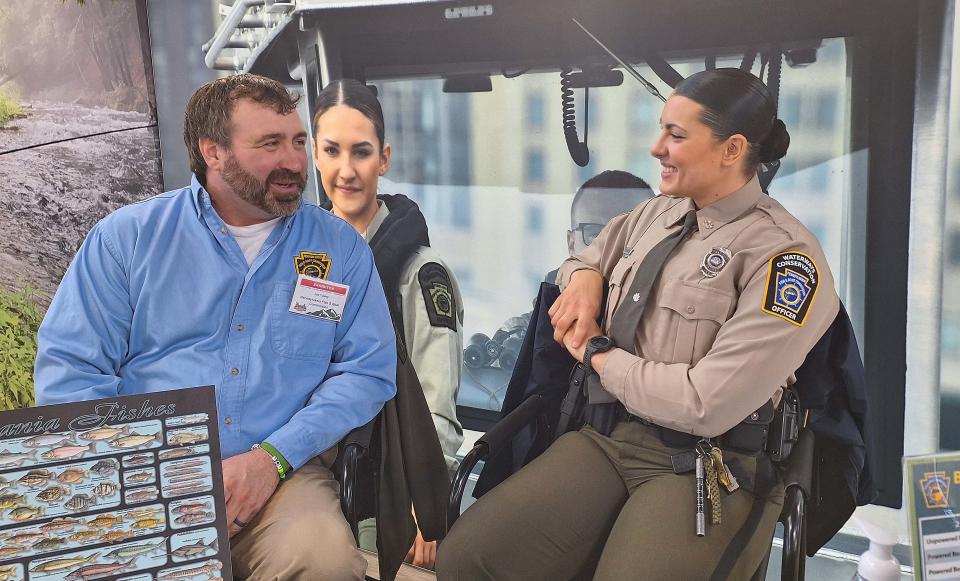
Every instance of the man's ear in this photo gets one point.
(734, 150)
(213, 153)
(571, 243)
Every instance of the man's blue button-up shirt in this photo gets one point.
(160, 296)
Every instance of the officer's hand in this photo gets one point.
(577, 308)
(576, 351)
(422, 553)
(249, 480)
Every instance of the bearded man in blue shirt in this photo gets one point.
(208, 285)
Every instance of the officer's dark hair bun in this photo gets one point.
(736, 102)
(775, 144)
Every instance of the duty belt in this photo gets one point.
(748, 437)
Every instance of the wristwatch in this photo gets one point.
(598, 344)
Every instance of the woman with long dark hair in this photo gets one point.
(351, 154)
(714, 296)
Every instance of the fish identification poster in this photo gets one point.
(125, 488)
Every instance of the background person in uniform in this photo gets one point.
(194, 287)
(600, 198)
(731, 313)
(424, 297)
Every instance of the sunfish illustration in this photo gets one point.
(26, 513)
(68, 452)
(134, 440)
(35, 478)
(104, 467)
(80, 502)
(71, 475)
(52, 494)
(11, 500)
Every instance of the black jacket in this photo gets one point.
(411, 466)
(830, 384)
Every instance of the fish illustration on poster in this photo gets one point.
(123, 488)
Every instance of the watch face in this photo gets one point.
(601, 343)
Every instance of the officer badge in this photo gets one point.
(438, 295)
(936, 488)
(792, 281)
(714, 261)
(315, 264)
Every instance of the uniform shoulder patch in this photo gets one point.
(438, 295)
(792, 281)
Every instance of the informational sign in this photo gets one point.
(125, 488)
(933, 491)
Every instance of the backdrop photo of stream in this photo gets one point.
(78, 139)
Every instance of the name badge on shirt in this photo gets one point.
(318, 298)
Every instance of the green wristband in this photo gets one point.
(283, 467)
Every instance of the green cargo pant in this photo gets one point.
(612, 509)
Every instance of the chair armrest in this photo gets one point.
(489, 444)
(352, 448)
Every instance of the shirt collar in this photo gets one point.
(197, 195)
(378, 218)
(722, 212)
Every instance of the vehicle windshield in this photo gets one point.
(493, 176)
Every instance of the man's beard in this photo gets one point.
(255, 192)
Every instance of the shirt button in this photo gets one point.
(228, 420)
(691, 309)
(754, 416)
(223, 230)
(708, 224)
(240, 327)
(235, 371)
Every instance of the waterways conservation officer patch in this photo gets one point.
(792, 281)
(315, 264)
(438, 295)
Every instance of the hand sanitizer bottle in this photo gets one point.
(878, 562)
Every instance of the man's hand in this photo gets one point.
(422, 553)
(249, 480)
(575, 311)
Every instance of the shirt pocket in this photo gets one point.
(698, 312)
(298, 336)
(615, 287)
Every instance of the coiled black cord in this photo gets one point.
(578, 150)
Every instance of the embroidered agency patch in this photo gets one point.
(438, 295)
(315, 264)
(792, 281)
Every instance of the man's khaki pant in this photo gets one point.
(300, 534)
(616, 504)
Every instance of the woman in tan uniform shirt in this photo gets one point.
(732, 312)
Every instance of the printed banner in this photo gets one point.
(934, 503)
(126, 488)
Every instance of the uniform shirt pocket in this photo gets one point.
(298, 336)
(698, 312)
(615, 288)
